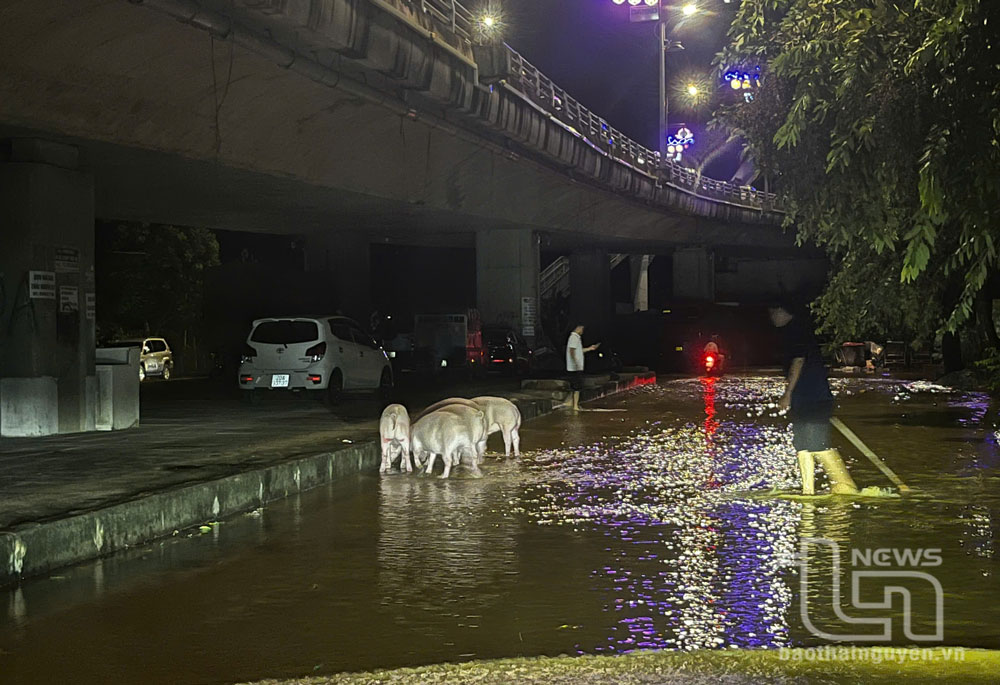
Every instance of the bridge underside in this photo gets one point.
(111, 109)
(179, 126)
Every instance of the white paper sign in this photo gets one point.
(69, 299)
(67, 260)
(42, 285)
(529, 315)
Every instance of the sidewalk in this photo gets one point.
(199, 455)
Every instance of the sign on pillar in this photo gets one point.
(529, 316)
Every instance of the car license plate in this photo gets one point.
(279, 380)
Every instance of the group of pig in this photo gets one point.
(455, 429)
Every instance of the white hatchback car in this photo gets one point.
(320, 354)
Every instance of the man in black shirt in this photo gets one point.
(809, 402)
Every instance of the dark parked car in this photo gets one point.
(506, 350)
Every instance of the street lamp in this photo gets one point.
(489, 24)
(652, 10)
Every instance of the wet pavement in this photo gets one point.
(648, 527)
(191, 430)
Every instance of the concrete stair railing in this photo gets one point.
(554, 279)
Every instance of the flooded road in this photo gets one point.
(647, 527)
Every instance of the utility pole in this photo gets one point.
(663, 89)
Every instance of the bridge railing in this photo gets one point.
(540, 89)
(543, 92)
(451, 13)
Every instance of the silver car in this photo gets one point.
(155, 358)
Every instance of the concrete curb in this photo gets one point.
(36, 548)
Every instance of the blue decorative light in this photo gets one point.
(679, 142)
(743, 81)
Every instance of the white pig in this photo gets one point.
(450, 433)
(501, 415)
(394, 430)
(463, 402)
(476, 418)
(504, 416)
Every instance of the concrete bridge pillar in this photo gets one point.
(639, 271)
(694, 274)
(590, 291)
(345, 257)
(507, 267)
(47, 290)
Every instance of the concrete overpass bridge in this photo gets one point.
(347, 121)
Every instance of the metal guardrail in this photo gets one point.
(538, 88)
(451, 13)
(550, 280)
(555, 277)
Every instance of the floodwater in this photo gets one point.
(617, 530)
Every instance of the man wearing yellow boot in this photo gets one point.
(809, 402)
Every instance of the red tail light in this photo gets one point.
(249, 354)
(315, 378)
(709, 362)
(316, 352)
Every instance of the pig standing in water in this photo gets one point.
(504, 416)
(452, 433)
(458, 402)
(394, 430)
(501, 415)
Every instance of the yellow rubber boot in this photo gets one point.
(841, 482)
(807, 468)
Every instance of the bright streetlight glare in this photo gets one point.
(689, 9)
(489, 21)
(693, 90)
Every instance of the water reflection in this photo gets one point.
(439, 546)
(695, 559)
(692, 563)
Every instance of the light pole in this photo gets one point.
(664, 104)
(652, 10)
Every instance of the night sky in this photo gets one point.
(589, 48)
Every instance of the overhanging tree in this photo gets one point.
(882, 121)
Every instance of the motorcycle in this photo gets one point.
(713, 363)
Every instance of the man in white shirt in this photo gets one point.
(574, 363)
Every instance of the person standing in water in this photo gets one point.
(574, 363)
(809, 402)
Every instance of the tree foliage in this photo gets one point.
(881, 121)
(150, 278)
